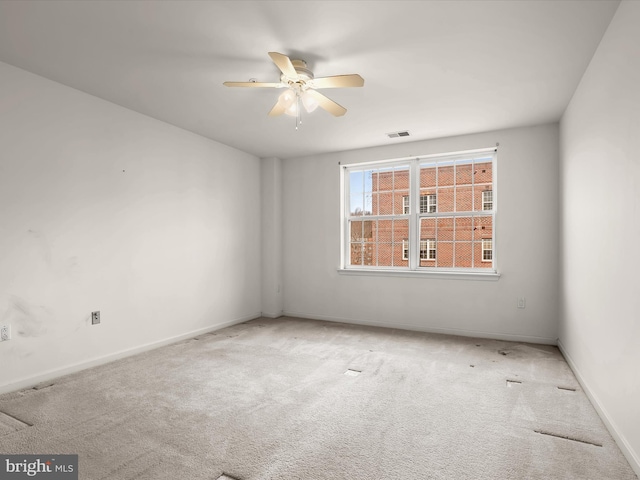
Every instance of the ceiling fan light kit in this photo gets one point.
(301, 88)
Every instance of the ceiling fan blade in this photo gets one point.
(284, 64)
(329, 105)
(338, 81)
(277, 109)
(253, 84)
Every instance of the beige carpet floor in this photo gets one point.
(283, 399)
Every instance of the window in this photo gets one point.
(487, 250)
(452, 229)
(427, 203)
(487, 200)
(405, 204)
(428, 249)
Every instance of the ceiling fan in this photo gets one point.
(301, 88)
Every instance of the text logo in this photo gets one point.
(45, 467)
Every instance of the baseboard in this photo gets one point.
(272, 315)
(422, 328)
(631, 456)
(59, 372)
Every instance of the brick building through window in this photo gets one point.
(453, 211)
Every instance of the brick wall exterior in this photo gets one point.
(457, 189)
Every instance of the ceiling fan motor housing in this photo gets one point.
(301, 69)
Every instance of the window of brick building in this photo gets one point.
(487, 200)
(398, 214)
(405, 204)
(427, 249)
(487, 250)
(428, 203)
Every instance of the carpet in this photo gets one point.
(299, 399)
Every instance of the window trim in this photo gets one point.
(414, 269)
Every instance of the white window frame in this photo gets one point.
(414, 268)
(405, 204)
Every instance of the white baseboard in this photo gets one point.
(427, 329)
(59, 372)
(272, 315)
(632, 457)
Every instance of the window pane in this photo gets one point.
(356, 204)
(483, 178)
(483, 234)
(445, 199)
(483, 227)
(385, 231)
(401, 188)
(356, 230)
(356, 182)
(445, 174)
(445, 229)
(385, 254)
(445, 254)
(444, 242)
(483, 173)
(356, 253)
(389, 186)
(464, 198)
(464, 228)
(428, 228)
(400, 232)
(428, 175)
(398, 204)
(370, 254)
(464, 252)
(464, 172)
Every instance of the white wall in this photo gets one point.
(105, 209)
(271, 177)
(526, 242)
(600, 235)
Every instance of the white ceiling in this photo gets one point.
(435, 68)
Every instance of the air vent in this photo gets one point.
(398, 134)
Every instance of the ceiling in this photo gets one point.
(434, 68)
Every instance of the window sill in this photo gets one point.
(442, 274)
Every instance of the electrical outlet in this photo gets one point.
(5, 333)
(95, 318)
(522, 302)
